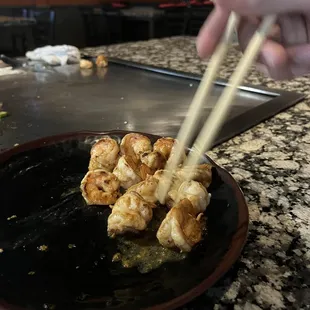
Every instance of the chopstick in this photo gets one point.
(218, 115)
(203, 92)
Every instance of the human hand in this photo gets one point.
(286, 52)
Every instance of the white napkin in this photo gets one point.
(56, 55)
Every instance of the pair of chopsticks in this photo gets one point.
(219, 113)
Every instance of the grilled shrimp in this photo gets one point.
(134, 144)
(174, 186)
(180, 228)
(164, 146)
(131, 213)
(182, 159)
(201, 173)
(104, 155)
(100, 187)
(126, 172)
(146, 189)
(152, 161)
(195, 192)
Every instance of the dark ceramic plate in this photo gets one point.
(41, 205)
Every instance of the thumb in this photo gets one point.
(264, 7)
(211, 32)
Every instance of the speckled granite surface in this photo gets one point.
(272, 164)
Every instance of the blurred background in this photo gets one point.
(27, 24)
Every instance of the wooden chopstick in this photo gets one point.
(201, 96)
(218, 115)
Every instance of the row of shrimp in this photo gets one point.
(137, 167)
(113, 166)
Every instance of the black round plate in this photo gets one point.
(41, 205)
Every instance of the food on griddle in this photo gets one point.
(195, 192)
(146, 189)
(164, 146)
(201, 173)
(3, 114)
(101, 61)
(4, 65)
(12, 217)
(116, 257)
(161, 176)
(134, 144)
(43, 248)
(100, 187)
(104, 155)
(181, 227)
(135, 168)
(126, 172)
(153, 160)
(86, 64)
(131, 213)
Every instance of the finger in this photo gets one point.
(211, 32)
(292, 63)
(273, 74)
(294, 71)
(247, 29)
(263, 7)
(300, 54)
(299, 70)
(293, 28)
(273, 59)
(276, 59)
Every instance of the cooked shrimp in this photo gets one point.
(173, 154)
(134, 144)
(195, 192)
(180, 228)
(100, 187)
(146, 189)
(104, 155)
(201, 173)
(126, 172)
(164, 146)
(131, 213)
(160, 175)
(153, 160)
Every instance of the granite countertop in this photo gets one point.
(271, 162)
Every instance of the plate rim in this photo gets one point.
(239, 238)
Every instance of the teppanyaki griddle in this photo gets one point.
(124, 96)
